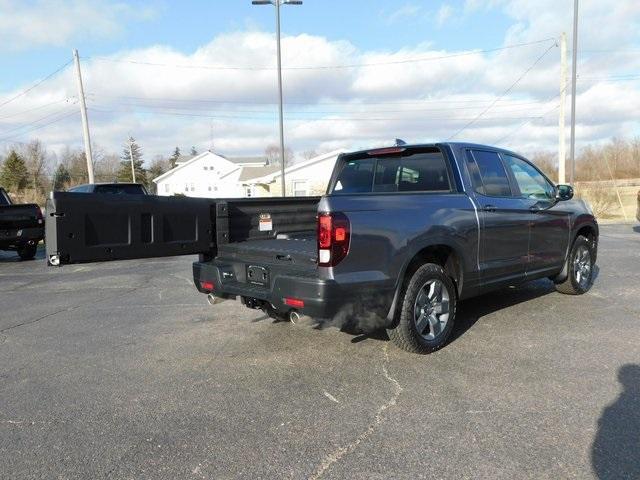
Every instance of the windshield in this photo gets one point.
(422, 171)
(120, 189)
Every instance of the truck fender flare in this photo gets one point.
(414, 253)
(580, 224)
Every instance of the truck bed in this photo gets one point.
(296, 249)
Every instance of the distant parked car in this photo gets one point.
(21, 226)
(111, 188)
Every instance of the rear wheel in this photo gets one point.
(27, 252)
(580, 268)
(428, 311)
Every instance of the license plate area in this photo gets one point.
(257, 275)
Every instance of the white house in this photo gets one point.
(214, 175)
(309, 177)
(207, 175)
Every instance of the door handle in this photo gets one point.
(489, 208)
(535, 209)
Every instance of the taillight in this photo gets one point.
(334, 234)
(207, 286)
(39, 216)
(294, 302)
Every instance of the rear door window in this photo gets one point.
(356, 177)
(412, 172)
(488, 174)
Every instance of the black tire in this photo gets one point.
(574, 284)
(405, 335)
(27, 252)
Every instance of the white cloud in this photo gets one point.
(168, 105)
(444, 13)
(26, 24)
(406, 11)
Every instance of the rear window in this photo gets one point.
(411, 172)
(3, 199)
(120, 189)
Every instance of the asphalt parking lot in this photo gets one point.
(122, 370)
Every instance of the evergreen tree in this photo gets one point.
(14, 175)
(158, 166)
(174, 157)
(194, 152)
(124, 174)
(61, 177)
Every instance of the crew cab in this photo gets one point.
(21, 226)
(403, 234)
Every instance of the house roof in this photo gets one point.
(247, 160)
(270, 177)
(184, 159)
(236, 161)
(249, 173)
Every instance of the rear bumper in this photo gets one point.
(19, 237)
(323, 299)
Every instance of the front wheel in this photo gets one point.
(27, 252)
(580, 268)
(428, 311)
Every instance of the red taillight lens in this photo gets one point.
(39, 216)
(294, 302)
(324, 230)
(333, 238)
(208, 286)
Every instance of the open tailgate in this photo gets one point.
(85, 227)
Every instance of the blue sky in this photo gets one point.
(389, 90)
(186, 25)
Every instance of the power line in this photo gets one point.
(24, 92)
(347, 109)
(322, 67)
(40, 107)
(256, 102)
(38, 127)
(526, 122)
(340, 119)
(49, 115)
(511, 87)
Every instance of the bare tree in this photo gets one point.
(35, 158)
(309, 154)
(272, 152)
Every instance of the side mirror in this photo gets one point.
(564, 192)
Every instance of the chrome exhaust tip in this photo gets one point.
(213, 300)
(294, 317)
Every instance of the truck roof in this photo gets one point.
(434, 144)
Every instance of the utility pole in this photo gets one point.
(133, 170)
(574, 67)
(562, 150)
(85, 121)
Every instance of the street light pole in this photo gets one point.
(277, 4)
(280, 100)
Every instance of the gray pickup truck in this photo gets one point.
(403, 233)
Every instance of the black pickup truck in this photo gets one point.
(21, 226)
(403, 233)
